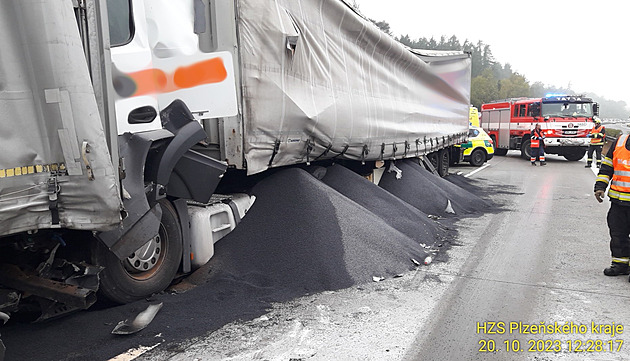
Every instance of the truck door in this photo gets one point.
(158, 58)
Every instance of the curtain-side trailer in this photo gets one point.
(119, 118)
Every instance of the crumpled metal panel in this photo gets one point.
(318, 76)
(49, 124)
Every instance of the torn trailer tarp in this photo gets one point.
(55, 167)
(320, 81)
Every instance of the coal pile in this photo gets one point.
(428, 192)
(303, 236)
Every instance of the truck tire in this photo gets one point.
(478, 157)
(574, 154)
(140, 276)
(526, 150)
(444, 160)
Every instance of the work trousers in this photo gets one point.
(619, 227)
(598, 154)
(538, 152)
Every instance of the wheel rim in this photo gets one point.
(478, 157)
(146, 260)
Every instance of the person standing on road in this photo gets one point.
(615, 170)
(537, 145)
(597, 135)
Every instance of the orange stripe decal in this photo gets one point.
(205, 72)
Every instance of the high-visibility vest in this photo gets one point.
(597, 140)
(535, 142)
(620, 184)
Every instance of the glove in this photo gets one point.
(599, 195)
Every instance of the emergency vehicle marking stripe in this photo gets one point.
(32, 169)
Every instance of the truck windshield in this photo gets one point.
(567, 110)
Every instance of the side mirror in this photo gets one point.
(595, 109)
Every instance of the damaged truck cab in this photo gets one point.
(119, 119)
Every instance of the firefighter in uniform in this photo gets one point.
(597, 135)
(537, 145)
(615, 170)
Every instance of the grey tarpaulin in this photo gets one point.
(316, 75)
(49, 124)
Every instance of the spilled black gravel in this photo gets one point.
(303, 235)
(430, 193)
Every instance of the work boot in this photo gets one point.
(534, 163)
(617, 269)
(588, 165)
(543, 163)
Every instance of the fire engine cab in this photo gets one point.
(566, 121)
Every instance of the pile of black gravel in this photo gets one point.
(302, 235)
(305, 236)
(394, 211)
(428, 192)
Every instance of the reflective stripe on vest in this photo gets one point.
(620, 184)
(597, 141)
(535, 143)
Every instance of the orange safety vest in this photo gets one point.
(620, 184)
(597, 141)
(535, 142)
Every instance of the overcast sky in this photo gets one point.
(581, 43)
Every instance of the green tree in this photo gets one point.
(513, 87)
(383, 25)
(484, 89)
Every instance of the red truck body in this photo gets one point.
(566, 121)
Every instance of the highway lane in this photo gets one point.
(540, 261)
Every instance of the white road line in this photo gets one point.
(595, 169)
(134, 353)
(477, 170)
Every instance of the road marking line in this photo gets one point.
(477, 170)
(134, 353)
(595, 170)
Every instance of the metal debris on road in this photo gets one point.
(449, 208)
(141, 321)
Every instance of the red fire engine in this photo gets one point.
(565, 120)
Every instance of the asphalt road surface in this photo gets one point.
(535, 260)
(539, 263)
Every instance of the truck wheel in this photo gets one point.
(148, 270)
(478, 157)
(526, 150)
(574, 155)
(443, 162)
